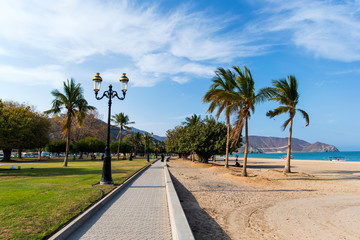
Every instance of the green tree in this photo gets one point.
(88, 145)
(219, 96)
(56, 146)
(75, 105)
(190, 123)
(21, 127)
(147, 139)
(136, 141)
(285, 92)
(122, 121)
(246, 99)
(125, 147)
(80, 147)
(41, 137)
(176, 142)
(95, 145)
(157, 148)
(211, 140)
(207, 137)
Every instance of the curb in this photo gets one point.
(66, 231)
(180, 228)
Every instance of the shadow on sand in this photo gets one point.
(204, 227)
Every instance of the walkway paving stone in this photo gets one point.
(140, 211)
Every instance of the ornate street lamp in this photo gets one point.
(110, 94)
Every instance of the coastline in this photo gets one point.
(350, 156)
(318, 200)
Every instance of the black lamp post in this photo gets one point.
(152, 134)
(110, 94)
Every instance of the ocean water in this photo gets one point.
(349, 156)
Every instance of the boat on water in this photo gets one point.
(337, 159)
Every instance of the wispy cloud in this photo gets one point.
(349, 71)
(43, 75)
(177, 45)
(158, 45)
(328, 29)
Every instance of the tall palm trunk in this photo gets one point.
(288, 157)
(118, 152)
(244, 173)
(227, 142)
(67, 147)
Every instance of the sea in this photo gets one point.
(353, 156)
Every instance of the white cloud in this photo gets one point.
(180, 80)
(3, 51)
(177, 45)
(137, 78)
(328, 29)
(159, 45)
(43, 75)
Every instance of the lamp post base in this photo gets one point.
(106, 182)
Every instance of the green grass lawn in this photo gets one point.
(39, 198)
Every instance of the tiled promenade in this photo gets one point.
(140, 211)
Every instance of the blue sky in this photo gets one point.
(170, 50)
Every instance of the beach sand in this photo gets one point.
(319, 200)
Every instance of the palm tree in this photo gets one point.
(192, 121)
(285, 92)
(246, 99)
(189, 122)
(218, 97)
(73, 101)
(136, 141)
(156, 148)
(122, 121)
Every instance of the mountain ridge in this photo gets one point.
(261, 144)
(95, 127)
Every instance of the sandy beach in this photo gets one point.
(319, 200)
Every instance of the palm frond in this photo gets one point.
(286, 123)
(277, 111)
(305, 116)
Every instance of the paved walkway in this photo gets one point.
(140, 211)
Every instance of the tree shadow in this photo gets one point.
(264, 166)
(57, 171)
(203, 226)
(327, 175)
(271, 190)
(257, 165)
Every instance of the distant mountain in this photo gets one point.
(159, 138)
(92, 127)
(259, 144)
(114, 131)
